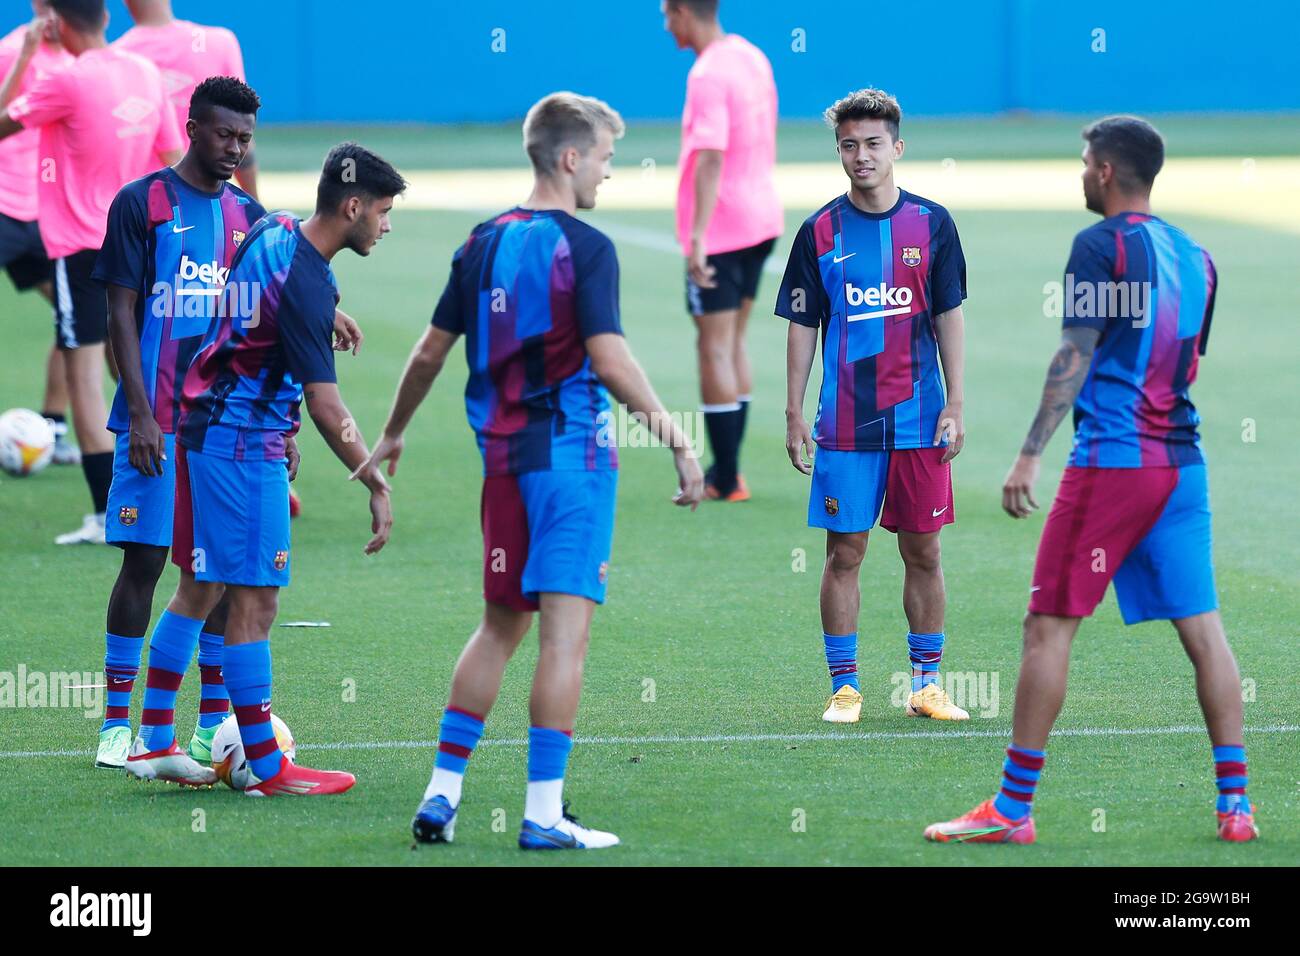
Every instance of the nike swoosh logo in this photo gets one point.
(266, 707)
(935, 514)
(178, 230)
(123, 680)
(1036, 587)
(842, 258)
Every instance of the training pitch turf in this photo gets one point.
(705, 681)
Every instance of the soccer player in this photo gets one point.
(535, 292)
(1133, 503)
(103, 120)
(881, 272)
(269, 348)
(171, 238)
(186, 53)
(728, 217)
(29, 53)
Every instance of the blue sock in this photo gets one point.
(247, 670)
(1231, 778)
(214, 701)
(457, 737)
(842, 660)
(548, 753)
(121, 666)
(925, 651)
(1020, 772)
(171, 648)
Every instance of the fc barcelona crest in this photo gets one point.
(832, 506)
(128, 516)
(911, 255)
(281, 560)
(237, 237)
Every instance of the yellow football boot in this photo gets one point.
(844, 707)
(933, 701)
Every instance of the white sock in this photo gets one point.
(544, 804)
(446, 783)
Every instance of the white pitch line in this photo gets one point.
(730, 739)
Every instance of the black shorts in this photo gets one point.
(80, 303)
(736, 278)
(22, 253)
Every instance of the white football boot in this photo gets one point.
(90, 532)
(172, 764)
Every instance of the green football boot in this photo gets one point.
(114, 744)
(200, 750)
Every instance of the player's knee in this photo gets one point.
(921, 554)
(143, 565)
(845, 555)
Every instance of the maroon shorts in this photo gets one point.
(1099, 516)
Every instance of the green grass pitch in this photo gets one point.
(723, 758)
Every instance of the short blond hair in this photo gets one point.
(563, 120)
(865, 104)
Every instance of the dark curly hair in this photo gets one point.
(225, 91)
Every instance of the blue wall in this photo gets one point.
(431, 60)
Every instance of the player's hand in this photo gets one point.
(347, 334)
(387, 449)
(1018, 488)
(37, 30)
(951, 428)
(293, 457)
(690, 479)
(799, 443)
(697, 265)
(381, 520)
(147, 449)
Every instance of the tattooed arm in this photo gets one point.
(1065, 377)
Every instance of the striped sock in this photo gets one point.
(247, 670)
(214, 702)
(121, 666)
(1230, 777)
(548, 756)
(170, 650)
(1020, 772)
(457, 737)
(925, 651)
(842, 660)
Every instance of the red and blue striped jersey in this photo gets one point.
(527, 289)
(172, 245)
(273, 335)
(873, 283)
(1149, 289)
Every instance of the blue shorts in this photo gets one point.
(232, 519)
(1170, 573)
(547, 532)
(914, 485)
(140, 508)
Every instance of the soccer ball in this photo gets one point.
(228, 751)
(26, 442)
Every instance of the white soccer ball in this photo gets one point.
(26, 442)
(228, 758)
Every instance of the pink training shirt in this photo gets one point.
(186, 54)
(18, 153)
(731, 106)
(103, 120)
